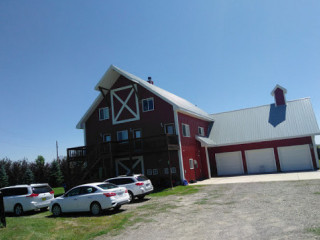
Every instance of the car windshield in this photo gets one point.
(106, 186)
(142, 178)
(41, 189)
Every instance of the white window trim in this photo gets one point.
(106, 134)
(146, 99)
(100, 118)
(187, 127)
(124, 139)
(201, 131)
(167, 124)
(134, 131)
(191, 164)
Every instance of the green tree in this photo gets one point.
(28, 177)
(38, 170)
(56, 177)
(4, 181)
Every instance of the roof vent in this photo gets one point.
(279, 95)
(150, 80)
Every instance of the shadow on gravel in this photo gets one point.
(139, 201)
(88, 214)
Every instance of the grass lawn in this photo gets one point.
(81, 226)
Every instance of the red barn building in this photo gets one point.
(134, 126)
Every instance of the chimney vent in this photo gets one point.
(279, 95)
(150, 80)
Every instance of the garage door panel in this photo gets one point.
(261, 161)
(295, 158)
(229, 163)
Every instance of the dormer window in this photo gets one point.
(201, 131)
(147, 105)
(103, 113)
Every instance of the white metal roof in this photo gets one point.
(263, 123)
(113, 73)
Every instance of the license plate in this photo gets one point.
(43, 199)
(120, 193)
(148, 184)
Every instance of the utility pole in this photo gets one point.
(57, 151)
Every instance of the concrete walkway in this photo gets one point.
(274, 177)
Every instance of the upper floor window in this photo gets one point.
(169, 128)
(185, 130)
(103, 113)
(147, 104)
(106, 138)
(122, 135)
(201, 131)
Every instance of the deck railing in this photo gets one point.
(131, 146)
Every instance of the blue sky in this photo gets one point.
(219, 55)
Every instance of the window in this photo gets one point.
(149, 172)
(106, 138)
(166, 171)
(201, 131)
(103, 113)
(185, 130)
(122, 135)
(88, 190)
(173, 170)
(137, 133)
(147, 105)
(155, 171)
(169, 128)
(191, 164)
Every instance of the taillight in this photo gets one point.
(126, 191)
(139, 183)
(111, 194)
(33, 195)
(52, 192)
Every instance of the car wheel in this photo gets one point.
(131, 197)
(18, 210)
(141, 197)
(56, 210)
(95, 209)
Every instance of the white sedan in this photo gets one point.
(92, 197)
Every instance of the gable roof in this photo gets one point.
(264, 123)
(112, 75)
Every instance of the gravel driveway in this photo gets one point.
(271, 210)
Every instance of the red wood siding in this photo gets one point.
(260, 145)
(151, 123)
(191, 148)
(279, 97)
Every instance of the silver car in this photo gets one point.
(91, 197)
(22, 198)
(138, 185)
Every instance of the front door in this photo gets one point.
(124, 165)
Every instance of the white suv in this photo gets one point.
(22, 198)
(138, 185)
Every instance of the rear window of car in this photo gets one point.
(14, 191)
(41, 189)
(107, 186)
(142, 178)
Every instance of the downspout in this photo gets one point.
(85, 135)
(208, 162)
(176, 123)
(315, 151)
